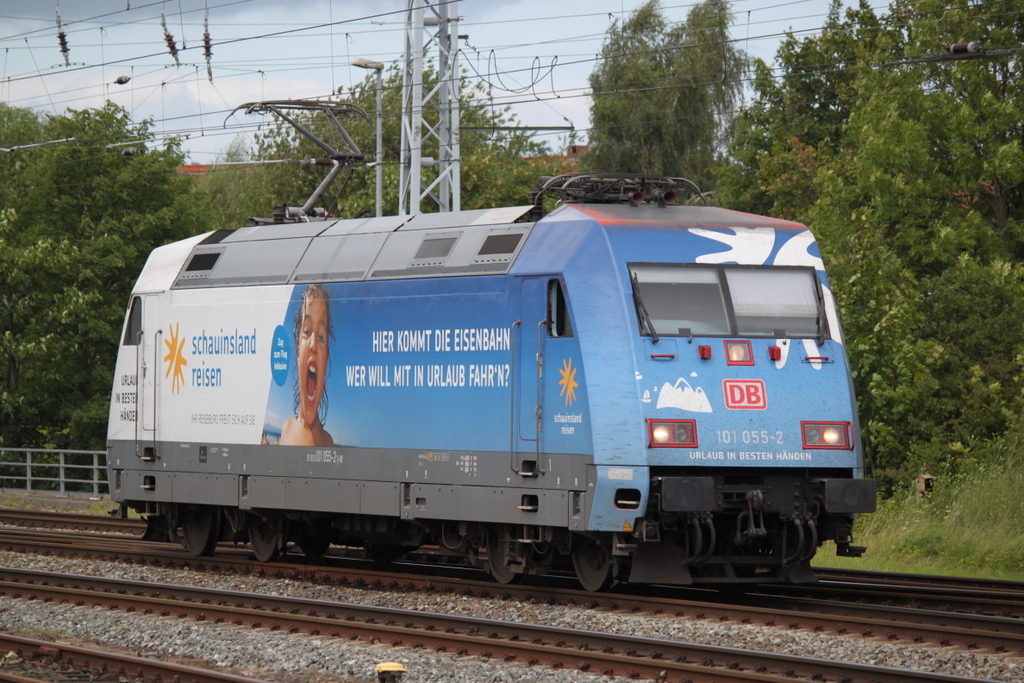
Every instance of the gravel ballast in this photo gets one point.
(282, 657)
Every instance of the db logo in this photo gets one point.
(745, 394)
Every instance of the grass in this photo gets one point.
(84, 506)
(971, 525)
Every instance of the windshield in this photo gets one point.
(684, 300)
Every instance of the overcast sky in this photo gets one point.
(533, 54)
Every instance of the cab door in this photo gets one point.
(529, 418)
(147, 368)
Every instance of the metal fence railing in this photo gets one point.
(53, 472)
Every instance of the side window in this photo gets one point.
(134, 327)
(559, 324)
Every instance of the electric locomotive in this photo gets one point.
(637, 389)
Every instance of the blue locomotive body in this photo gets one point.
(652, 394)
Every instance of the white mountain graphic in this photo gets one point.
(693, 400)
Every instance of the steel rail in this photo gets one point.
(916, 580)
(100, 523)
(105, 661)
(8, 677)
(63, 520)
(945, 599)
(894, 623)
(610, 654)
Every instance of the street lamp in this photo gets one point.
(379, 68)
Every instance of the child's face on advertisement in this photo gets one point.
(312, 358)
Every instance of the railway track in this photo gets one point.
(43, 661)
(912, 580)
(42, 519)
(950, 599)
(105, 524)
(605, 653)
(993, 631)
(987, 620)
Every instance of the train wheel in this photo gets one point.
(266, 539)
(496, 565)
(200, 527)
(593, 565)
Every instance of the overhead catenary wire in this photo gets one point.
(305, 29)
(230, 41)
(110, 14)
(628, 87)
(186, 132)
(767, 35)
(548, 18)
(581, 92)
(647, 123)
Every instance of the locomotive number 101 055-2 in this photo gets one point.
(749, 436)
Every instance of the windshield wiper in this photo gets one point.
(643, 310)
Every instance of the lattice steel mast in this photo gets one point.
(430, 23)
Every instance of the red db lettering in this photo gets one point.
(745, 394)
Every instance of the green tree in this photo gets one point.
(78, 221)
(664, 97)
(498, 168)
(799, 114)
(913, 179)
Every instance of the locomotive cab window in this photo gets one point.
(134, 326)
(559, 324)
(681, 301)
(726, 300)
(768, 301)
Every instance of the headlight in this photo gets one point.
(672, 433)
(738, 353)
(827, 435)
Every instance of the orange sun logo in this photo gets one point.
(568, 382)
(175, 359)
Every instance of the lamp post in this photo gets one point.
(379, 163)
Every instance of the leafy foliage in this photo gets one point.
(665, 96)
(911, 171)
(798, 117)
(77, 221)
